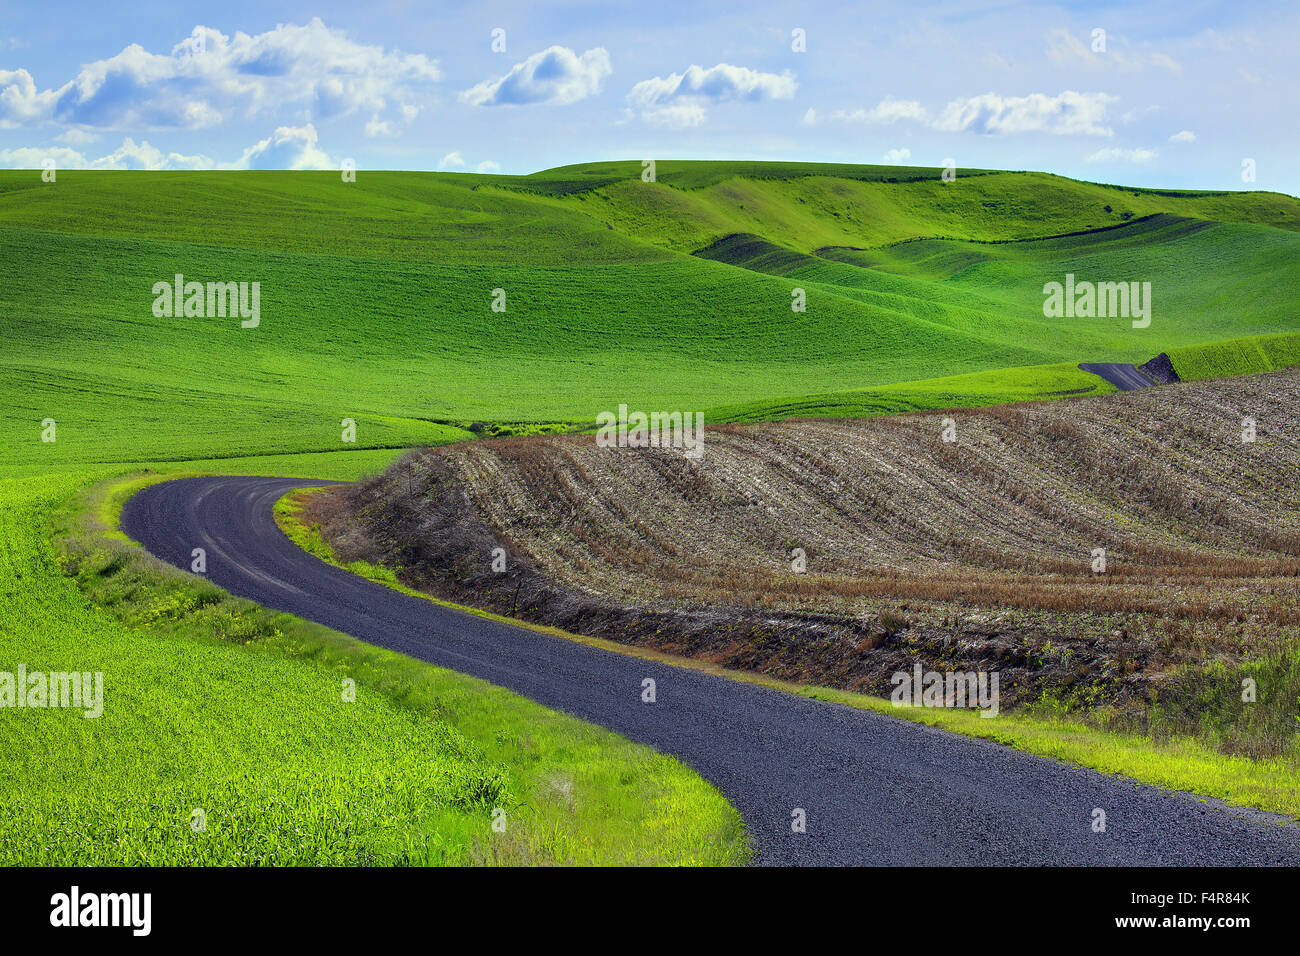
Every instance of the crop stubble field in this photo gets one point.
(974, 554)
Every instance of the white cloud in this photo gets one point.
(130, 155)
(680, 99)
(144, 156)
(557, 75)
(289, 147)
(32, 157)
(1067, 113)
(888, 110)
(1183, 136)
(377, 127)
(1116, 155)
(676, 115)
(810, 118)
(20, 101)
(896, 155)
(454, 160)
(209, 77)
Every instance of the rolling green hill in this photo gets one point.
(810, 212)
(377, 296)
(376, 305)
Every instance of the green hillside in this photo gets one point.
(810, 212)
(377, 296)
(1243, 356)
(693, 174)
(376, 305)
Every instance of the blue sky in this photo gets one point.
(1176, 94)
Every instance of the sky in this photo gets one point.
(1183, 94)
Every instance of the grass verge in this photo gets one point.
(412, 771)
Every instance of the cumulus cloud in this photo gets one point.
(144, 156)
(557, 75)
(209, 77)
(32, 157)
(1117, 155)
(676, 115)
(130, 155)
(454, 160)
(289, 147)
(1067, 113)
(896, 155)
(20, 101)
(1183, 136)
(680, 99)
(888, 110)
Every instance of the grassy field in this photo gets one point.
(215, 725)
(1244, 356)
(377, 306)
(410, 348)
(213, 704)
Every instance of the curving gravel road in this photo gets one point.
(876, 790)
